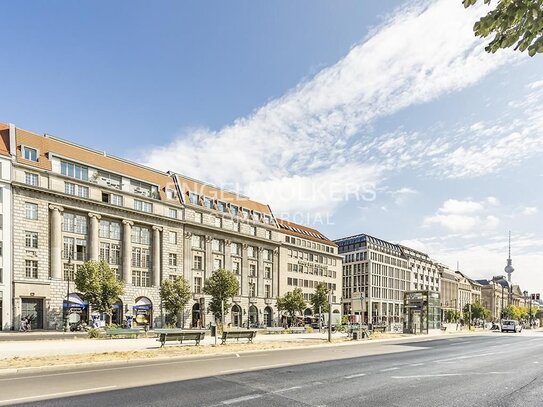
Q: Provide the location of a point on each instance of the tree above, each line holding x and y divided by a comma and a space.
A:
512, 312
477, 311
452, 315
222, 286
98, 285
319, 300
518, 23
175, 296
292, 302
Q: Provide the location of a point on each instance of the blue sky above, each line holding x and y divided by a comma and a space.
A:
380, 117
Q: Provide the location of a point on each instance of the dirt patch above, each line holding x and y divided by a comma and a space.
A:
167, 351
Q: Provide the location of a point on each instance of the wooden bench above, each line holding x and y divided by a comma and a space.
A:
443, 328
379, 328
238, 334
119, 332
171, 335
297, 330
274, 330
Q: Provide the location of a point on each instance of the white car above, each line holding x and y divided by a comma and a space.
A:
510, 325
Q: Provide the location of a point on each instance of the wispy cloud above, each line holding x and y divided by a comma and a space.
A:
315, 133
464, 215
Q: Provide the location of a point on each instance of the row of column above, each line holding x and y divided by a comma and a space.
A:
94, 245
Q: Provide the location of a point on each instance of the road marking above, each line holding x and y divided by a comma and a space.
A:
237, 355
389, 369
287, 389
417, 364
64, 393
459, 343
255, 368
465, 357
240, 399
536, 363
355, 375
423, 376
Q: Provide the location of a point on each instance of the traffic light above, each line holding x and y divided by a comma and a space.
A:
536, 297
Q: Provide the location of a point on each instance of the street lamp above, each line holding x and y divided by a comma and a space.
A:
525, 298
67, 321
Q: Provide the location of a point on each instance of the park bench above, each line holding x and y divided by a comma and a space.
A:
275, 330
238, 334
174, 335
297, 330
379, 328
123, 332
443, 328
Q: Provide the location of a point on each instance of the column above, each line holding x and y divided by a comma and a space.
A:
56, 241
156, 255
94, 245
260, 274
208, 258
127, 251
187, 257
244, 271
227, 255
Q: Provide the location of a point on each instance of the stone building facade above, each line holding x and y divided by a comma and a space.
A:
72, 204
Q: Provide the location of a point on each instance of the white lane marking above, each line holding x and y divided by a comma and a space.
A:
417, 364
255, 368
423, 376
536, 363
237, 355
240, 399
459, 343
355, 375
287, 389
64, 393
390, 369
130, 366
465, 357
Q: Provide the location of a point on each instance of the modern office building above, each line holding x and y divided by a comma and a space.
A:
306, 258
380, 271
72, 204
6, 132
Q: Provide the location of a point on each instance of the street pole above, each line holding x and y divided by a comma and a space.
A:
530, 311
330, 316
320, 318
469, 311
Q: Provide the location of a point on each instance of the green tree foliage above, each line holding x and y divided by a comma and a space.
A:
452, 315
319, 300
222, 286
477, 311
516, 23
514, 312
98, 285
175, 296
292, 302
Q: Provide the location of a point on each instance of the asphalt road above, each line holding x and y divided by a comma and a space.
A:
476, 370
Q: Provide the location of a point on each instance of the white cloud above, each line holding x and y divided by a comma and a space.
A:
461, 216
419, 53
402, 195
529, 210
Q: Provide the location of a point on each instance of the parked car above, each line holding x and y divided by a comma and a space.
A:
510, 325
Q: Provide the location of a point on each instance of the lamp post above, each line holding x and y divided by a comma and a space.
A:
525, 297
66, 322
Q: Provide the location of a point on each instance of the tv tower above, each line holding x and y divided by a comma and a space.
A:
509, 268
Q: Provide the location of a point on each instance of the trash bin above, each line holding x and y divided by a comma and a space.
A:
213, 330
355, 335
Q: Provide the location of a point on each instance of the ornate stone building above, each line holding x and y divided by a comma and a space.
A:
72, 204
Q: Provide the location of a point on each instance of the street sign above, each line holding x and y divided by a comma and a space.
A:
357, 302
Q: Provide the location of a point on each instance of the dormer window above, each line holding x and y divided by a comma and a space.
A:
30, 154
208, 203
73, 170
234, 210
221, 206
193, 198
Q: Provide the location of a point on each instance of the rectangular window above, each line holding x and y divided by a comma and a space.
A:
235, 248
197, 285
236, 267
267, 272
252, 289
31, 211
140, 257
252, 270
172, 237
267, 291
217, 245
172, 213
208, 203
172, 260
73, 170
217, 264
143, 206
197, 241
234, 210
116, 200
69, 272
253, 230
193, 198
31, 268
110, 230
31, 179
197, 263
141, 235
77, 190
30, 154
141, 278
31, 240
75, 223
